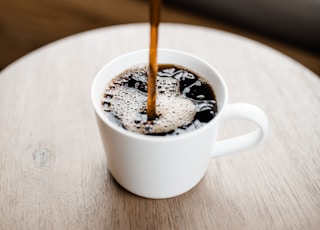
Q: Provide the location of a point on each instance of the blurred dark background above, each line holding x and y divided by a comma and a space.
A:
290, 26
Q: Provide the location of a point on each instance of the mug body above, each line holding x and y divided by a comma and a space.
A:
157, 166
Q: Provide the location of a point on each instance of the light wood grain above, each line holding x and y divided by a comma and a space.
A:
53, 170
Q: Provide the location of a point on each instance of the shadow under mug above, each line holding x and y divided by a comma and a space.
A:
167, 166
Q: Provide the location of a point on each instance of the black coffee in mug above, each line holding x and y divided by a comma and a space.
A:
185, 101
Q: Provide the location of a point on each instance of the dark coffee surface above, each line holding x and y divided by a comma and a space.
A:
185, 101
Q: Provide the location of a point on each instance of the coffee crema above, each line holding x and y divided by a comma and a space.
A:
184, 102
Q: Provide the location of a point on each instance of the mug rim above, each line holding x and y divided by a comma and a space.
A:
99, 111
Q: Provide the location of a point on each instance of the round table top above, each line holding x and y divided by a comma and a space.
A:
53, 172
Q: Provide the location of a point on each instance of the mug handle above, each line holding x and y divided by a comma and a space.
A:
236, 144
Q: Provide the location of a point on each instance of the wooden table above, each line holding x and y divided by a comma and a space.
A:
53, 169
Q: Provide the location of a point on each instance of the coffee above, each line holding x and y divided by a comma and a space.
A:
185, 101
155, 8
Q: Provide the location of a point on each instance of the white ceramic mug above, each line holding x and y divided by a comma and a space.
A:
167, 166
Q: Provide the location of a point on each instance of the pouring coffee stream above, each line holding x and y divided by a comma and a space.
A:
160, 98
155, 7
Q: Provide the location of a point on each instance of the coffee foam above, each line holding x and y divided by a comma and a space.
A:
129, 105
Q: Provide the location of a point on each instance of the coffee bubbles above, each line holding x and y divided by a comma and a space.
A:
184, 101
